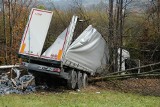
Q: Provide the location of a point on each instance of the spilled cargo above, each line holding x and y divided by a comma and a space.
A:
17, 85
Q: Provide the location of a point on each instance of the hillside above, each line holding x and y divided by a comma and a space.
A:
135, 5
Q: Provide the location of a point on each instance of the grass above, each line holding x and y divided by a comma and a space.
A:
80, 99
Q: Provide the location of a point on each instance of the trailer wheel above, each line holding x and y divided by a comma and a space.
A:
85, 80
80, 79
72, 81
38, 79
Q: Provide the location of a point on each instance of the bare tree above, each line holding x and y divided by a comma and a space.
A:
4, 31
121, 32
13, 13
111, 29
116, 28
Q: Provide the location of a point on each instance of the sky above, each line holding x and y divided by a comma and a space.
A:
64, 4
0, 5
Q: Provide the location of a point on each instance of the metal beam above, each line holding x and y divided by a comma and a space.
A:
9, 66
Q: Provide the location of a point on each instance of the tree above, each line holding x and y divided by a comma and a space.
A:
4, 31
111, 36
41, 7
15, 13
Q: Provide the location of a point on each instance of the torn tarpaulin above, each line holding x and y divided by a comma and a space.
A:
24, 84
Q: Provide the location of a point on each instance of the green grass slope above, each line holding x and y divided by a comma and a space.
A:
80, 99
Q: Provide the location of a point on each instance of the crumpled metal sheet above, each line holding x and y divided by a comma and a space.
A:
18, 85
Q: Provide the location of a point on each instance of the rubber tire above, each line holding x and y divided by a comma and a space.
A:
80, 80
37, 79
72, 81
85, 80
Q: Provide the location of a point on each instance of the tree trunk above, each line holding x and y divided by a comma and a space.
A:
121, 33
116, 35
158, 15
10, 29
4, 32
110, 37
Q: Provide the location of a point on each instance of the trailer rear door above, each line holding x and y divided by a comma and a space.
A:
35, 32
58, 49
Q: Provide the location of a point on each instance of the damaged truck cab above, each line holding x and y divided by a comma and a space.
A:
71, 60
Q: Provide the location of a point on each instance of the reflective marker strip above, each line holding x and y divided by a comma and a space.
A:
22, 48
59, 54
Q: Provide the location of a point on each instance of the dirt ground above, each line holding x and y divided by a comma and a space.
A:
144, 86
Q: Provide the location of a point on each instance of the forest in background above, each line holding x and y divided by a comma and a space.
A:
140, 33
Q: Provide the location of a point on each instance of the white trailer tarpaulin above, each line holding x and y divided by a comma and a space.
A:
88, 52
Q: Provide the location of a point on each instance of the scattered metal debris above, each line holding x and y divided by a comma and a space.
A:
18, 85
